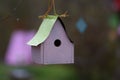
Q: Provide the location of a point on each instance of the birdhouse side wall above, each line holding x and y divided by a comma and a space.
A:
37, 54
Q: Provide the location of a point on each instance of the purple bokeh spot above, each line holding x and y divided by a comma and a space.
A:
18, 52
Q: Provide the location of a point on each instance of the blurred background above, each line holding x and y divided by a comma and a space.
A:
93, 26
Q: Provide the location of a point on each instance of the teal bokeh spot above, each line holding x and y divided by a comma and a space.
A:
81, 25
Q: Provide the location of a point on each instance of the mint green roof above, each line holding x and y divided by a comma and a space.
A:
44, 30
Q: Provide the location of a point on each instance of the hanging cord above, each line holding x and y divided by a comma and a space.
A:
55, 13
54, 8
50, 6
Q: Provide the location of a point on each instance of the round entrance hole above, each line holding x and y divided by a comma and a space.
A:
57, 43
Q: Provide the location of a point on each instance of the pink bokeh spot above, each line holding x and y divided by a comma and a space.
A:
18, 52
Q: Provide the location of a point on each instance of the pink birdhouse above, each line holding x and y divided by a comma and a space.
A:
51, 44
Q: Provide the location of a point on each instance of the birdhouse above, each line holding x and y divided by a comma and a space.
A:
51, 44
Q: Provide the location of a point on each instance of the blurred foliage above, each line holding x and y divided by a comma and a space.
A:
51, 72
114, 21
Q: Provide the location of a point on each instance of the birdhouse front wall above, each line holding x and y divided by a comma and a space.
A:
57, 48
